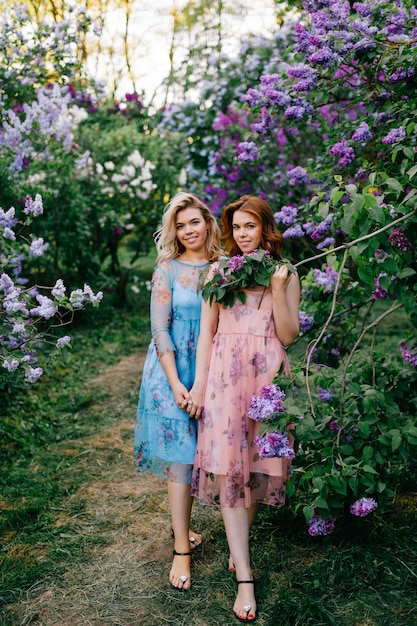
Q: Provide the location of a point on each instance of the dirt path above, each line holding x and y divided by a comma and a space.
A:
123, 525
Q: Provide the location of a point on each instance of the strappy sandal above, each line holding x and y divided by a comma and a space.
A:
247, 607
183, 578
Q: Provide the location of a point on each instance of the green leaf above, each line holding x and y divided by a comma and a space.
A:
412, 171
395, 184
369, 469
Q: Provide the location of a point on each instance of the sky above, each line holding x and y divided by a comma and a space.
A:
149, 36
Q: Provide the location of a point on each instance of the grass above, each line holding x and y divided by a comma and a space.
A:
85, 540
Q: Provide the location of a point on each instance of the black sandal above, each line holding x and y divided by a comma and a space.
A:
182, 578
247, 607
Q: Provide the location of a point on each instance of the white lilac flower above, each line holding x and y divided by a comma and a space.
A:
46, 309
8, 233
136, 159
59, 289
11, 366
7, 218
38, 247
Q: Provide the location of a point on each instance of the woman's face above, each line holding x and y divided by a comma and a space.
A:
191, 229
247, 231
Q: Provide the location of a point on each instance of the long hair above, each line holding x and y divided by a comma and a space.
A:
272, 238
167, 244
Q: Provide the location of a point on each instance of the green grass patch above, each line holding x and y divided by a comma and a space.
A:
85, 537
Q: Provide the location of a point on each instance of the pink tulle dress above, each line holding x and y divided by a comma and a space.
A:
245, 355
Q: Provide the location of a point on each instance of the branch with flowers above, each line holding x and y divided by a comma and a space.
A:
232, 276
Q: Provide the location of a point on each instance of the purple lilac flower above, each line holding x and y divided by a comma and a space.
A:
63, 341
306, 321
379, 293
407, 356
326, 279
342, 150
268, 401
38, 247
326, 243
334, 425
35, 207
298, 109
394, 135
236, 263
303, 39
272, 445
362, 133
298, 176
276, 97
287, 215
325, 57
381, 255
398, 240
402, 75
247, 151
325, 394
293, 231
363, 8
318, 527
321, 229
253, 97
363, 507
33, 373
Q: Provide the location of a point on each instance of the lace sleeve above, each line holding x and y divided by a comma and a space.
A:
161, 310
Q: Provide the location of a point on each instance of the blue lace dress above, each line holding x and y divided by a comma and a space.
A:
165, 437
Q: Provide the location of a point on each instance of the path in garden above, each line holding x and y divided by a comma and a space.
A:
122, 520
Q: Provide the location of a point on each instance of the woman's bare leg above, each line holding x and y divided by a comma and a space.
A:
236, 523
180, 502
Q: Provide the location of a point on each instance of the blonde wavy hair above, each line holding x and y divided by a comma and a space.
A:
167, 244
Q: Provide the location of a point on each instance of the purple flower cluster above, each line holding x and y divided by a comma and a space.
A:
272, 445
287, 215
236, 263
394, 136
318, 527
306, 74
342, 150
247, 151
379, 293
407, 355
306, 321
362, 133
325, 394
298, 176
363, 507
326, 279
397, 239
293, 231
321, 229
268, 401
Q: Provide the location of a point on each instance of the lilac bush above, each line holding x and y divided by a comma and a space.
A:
31, 314
330, 125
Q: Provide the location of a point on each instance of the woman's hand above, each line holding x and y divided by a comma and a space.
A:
281, 277
181, 395
195, 408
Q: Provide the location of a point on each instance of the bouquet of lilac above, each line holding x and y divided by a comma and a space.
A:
264, 408
239, 272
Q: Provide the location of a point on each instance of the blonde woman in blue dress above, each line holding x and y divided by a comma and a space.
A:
187, 241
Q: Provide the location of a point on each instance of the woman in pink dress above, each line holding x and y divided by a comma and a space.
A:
240, 349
